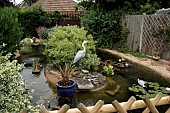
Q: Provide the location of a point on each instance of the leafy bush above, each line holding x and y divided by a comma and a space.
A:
10, 28
63, 44
14, 94
104, 26
33, 17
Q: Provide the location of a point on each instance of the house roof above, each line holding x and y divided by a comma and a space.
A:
57, 5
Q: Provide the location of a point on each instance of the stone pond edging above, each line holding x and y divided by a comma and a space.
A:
158, 67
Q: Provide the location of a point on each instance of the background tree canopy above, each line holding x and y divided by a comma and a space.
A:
128, 5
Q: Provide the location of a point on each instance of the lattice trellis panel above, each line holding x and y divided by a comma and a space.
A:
150, 25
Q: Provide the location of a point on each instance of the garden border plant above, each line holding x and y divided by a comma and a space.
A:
14, 94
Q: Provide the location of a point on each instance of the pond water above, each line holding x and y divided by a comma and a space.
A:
45, 92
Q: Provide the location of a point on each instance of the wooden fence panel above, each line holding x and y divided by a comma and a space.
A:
133, 24
141, 34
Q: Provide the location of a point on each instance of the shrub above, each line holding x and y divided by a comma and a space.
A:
63, 44
33, 17
10, 28
15, 95
104, 26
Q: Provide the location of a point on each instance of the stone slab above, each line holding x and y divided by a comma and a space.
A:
83, 83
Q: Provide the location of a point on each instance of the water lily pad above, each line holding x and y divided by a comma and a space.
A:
133, 89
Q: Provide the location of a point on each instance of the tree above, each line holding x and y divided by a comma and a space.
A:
10, 28
33, 17
127, 5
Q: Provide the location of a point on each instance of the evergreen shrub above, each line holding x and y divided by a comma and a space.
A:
63, 44
10, 28
105, 26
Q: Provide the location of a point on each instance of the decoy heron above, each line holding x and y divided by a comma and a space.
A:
80, 55
142, 83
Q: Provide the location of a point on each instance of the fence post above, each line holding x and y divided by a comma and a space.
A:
150, 105
83, 108
97, 106
118, 107
155, 101
64, 108
168, 111
43, 110
129, 103
141, 33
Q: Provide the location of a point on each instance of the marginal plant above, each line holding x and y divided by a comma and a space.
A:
108, 68
66, 72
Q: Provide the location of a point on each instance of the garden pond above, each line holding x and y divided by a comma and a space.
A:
46, 93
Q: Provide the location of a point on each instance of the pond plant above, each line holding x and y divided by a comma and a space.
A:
153, 88
108, 67
66, 86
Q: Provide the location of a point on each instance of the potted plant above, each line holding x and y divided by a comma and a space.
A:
66, 87
156, 55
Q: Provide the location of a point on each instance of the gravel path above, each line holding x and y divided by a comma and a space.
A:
162, 68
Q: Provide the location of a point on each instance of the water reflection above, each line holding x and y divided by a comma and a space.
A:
38, 83
44, 91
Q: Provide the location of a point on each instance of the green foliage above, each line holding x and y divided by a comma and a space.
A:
108, 69
33, 17
104, 26
25, 44
63, 44
153, 89
149, 8
14, 94
128, 6
10, 28
12, 87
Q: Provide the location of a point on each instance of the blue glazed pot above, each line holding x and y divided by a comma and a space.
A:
66, 91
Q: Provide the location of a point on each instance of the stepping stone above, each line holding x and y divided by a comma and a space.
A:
83, 83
